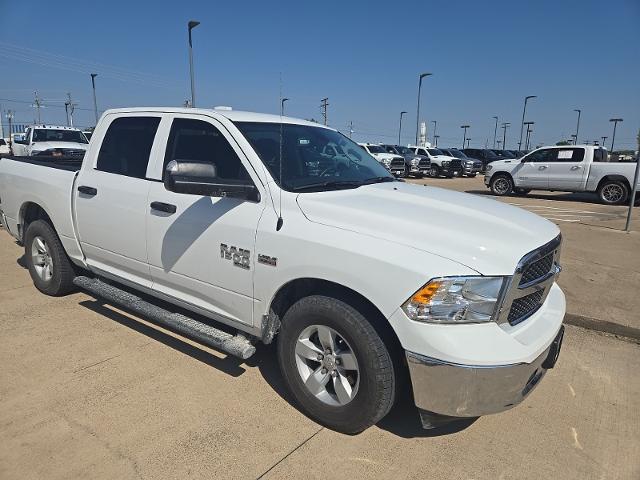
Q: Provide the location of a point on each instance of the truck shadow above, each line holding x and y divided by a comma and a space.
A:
229, 365
560, 197
403, 420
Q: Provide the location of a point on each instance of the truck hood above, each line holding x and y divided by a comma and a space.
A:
385, 156
483, 234
39, 146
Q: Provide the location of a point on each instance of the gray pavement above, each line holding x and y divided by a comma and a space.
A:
88, 391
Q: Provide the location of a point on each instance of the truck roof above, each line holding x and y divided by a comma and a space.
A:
233, 115
53, 127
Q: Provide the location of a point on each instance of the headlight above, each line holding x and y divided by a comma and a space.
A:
415, 161
445, 163
386, 161
489, 167
456, 300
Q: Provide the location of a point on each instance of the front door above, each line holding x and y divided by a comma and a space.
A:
203, 253
111, 198
532, 171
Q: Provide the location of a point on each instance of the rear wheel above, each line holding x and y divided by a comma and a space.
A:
50, 268
501, 184
335, 364
613, 192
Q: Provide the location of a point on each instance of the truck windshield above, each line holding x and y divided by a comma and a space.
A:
404, 151
312, 158
457, 153
376, 149
52, 135
435, 151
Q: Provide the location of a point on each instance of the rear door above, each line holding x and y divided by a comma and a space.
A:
532, 170
111, 197
567, 169
191, 246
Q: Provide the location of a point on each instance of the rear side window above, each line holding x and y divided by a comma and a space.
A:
566, 155
600, 155
126, 146
191, 139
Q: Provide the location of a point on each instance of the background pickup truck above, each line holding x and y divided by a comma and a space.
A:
236, 228
582, 168
50, 140
441, 164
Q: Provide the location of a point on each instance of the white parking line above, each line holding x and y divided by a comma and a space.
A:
557, 208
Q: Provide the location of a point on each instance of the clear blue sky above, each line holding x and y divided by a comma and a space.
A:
365, 56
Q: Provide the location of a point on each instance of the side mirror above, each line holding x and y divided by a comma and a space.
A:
523, 160
201, 178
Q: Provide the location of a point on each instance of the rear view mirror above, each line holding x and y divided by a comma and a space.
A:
201, 178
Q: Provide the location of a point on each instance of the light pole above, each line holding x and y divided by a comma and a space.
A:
529, 130
575, 139
436, 137
468, 140
10, 119
282, 106
435, 126
191, 25
604, 139
524, 110
499, 143
95, 102
495, 131
464, 138
422, 75
615, 124
505, 125
400, 129
578, 124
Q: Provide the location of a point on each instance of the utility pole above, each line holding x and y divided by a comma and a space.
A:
468, 140
37, 104
435, 126
505, 125
615, 124
634, 190
604, 139
526, 99
578, 124
10, 119
400, 129
464, 139
69, 108
499, 144
282, 106
350, 128
436, 137
495, 131
528, 136
95, 102
323, 106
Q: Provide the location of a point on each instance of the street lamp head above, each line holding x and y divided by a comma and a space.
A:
464, 126
495, 117
422, 75
530, 96
615, 120
193, 24
284, 99
402, 113
577, 110
529, 123
94, 75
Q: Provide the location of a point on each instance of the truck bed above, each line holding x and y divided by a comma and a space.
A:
71, 164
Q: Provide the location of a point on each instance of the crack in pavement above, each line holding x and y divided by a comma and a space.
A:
289, 454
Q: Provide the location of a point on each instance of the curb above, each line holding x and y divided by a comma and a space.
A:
602, 326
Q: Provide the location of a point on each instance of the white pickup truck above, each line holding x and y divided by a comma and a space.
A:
51, 140
366, 283
581, 168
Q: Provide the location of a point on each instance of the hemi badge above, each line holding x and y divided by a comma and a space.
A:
267, 260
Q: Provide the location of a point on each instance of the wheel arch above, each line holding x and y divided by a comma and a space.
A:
614, 178
29, 212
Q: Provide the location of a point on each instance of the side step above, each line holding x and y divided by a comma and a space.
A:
236, 345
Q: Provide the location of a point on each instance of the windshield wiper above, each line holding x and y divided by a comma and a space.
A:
369, 181
329, 185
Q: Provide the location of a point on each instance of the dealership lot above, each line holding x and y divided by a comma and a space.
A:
87, 390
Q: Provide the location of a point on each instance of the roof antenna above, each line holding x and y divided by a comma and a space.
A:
280, 221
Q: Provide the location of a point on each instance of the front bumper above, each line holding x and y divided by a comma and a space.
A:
471, 391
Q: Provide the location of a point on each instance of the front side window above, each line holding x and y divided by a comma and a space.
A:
53, 135
376, 149
126, 146
297, 158
539, 156
191, 139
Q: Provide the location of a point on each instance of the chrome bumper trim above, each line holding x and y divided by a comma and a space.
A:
471, 391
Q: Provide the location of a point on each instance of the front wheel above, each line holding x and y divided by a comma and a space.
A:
613, 192
501, 185
434, 171
335, 364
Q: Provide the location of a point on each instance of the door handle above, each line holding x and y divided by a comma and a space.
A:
92, 192
163, 207
542, 167
576, 167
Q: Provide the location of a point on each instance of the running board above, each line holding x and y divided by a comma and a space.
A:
236, 345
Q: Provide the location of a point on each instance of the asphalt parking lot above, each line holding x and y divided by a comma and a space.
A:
89, 391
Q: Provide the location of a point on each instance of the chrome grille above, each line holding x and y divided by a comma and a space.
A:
530, 284
397, 162
424, 163
522, 308
537, 269
455, 165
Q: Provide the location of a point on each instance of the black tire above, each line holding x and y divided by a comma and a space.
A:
521, 191
473, 175
377, 377
501, 184
434, 171
62, 271
613, 192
